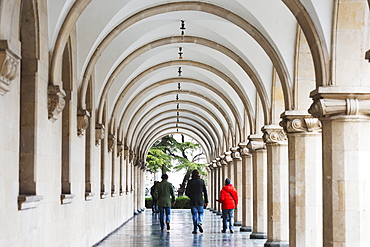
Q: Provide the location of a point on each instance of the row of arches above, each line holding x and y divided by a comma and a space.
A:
100, 82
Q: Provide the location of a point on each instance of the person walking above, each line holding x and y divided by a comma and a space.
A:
195, 190
165, 197
229, 200
155, 205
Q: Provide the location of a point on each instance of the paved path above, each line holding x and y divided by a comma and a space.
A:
144, 230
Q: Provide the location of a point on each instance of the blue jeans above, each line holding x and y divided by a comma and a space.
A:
162, 212
155, 206
197, 213
227, 214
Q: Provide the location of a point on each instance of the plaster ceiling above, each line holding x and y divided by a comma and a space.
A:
230, 49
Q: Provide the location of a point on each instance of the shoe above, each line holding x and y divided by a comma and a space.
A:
194, 232
231, 231
223, 231
200, 228
168, 225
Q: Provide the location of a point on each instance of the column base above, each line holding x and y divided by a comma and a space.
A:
258, 235
276, 244
246, 229
237, 223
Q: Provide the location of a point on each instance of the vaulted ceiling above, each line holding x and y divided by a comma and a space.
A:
230, 50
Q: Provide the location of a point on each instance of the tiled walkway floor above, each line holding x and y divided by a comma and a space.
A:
143, 230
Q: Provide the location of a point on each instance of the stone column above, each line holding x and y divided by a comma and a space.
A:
346, 153
246, 192
230, 167
237, 177
305, 179
135, 191
259, 167
214, 186
219, 182
209, 186
277, 186
224, 170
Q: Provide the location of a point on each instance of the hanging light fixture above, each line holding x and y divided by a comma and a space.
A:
180, 52
179, 71
182, 27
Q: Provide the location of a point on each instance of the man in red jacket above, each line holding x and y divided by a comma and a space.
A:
229, 200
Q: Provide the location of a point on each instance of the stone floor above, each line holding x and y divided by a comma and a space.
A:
143, 230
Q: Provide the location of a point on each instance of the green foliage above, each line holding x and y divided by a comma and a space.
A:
148, 202
168, 150
182, 202
156, 159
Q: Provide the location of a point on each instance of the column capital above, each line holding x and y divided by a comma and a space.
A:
217, 162
120, 148
243, 149
9, 65
299, 121
255, 143
339, 101
99, 133
210, 166
235, 153
83, 117
228, 157
56, 101
274, 134
112, 140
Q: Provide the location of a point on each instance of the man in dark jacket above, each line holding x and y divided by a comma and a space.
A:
195, 190
229, 200
155, 205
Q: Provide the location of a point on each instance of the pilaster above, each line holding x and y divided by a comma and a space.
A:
259, 166
277, 186
246, 190
237, 177
305, 178
344, 114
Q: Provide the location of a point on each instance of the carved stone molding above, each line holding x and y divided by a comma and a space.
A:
243, 149
340, 101
210, 166
126, 152
274, 134
9, 67
28, 201
214, 163
83, 117
120, 148
66, 198
56, 101
235, 153
89, 196
218, 162
111, 142
103, 195
132, 156
228, 157
99, 133
255, 143
298, 123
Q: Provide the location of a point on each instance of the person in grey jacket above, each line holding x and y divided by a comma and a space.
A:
195, 190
